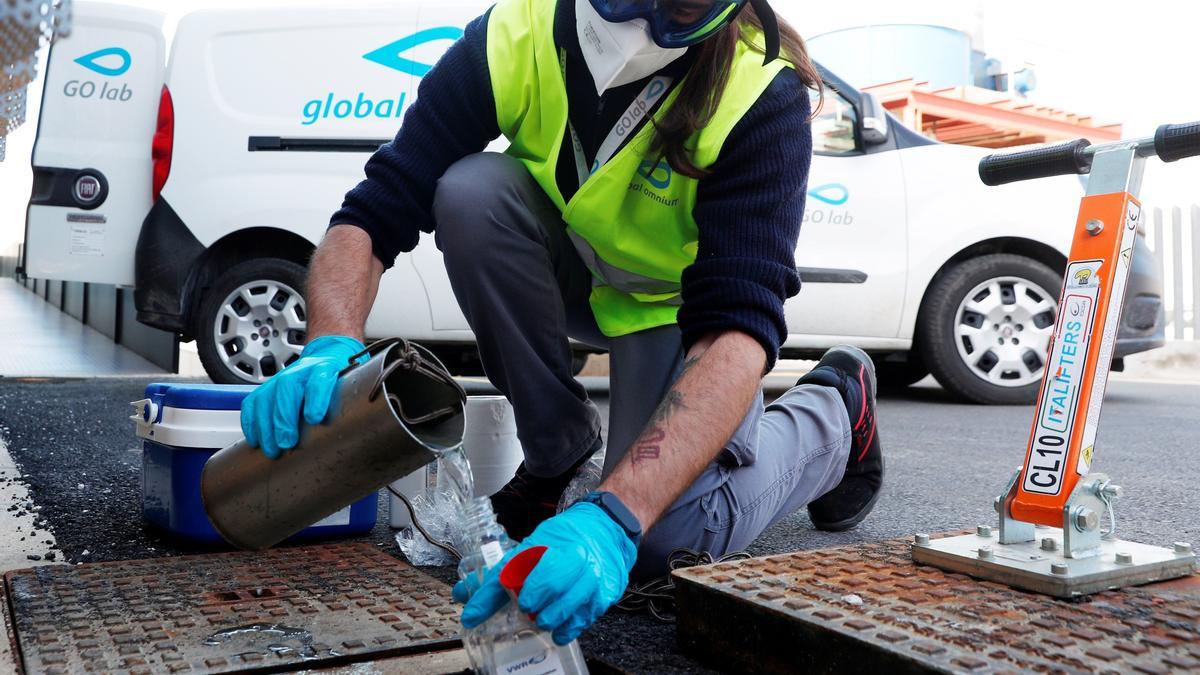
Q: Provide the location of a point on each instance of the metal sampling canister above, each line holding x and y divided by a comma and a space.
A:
389, 416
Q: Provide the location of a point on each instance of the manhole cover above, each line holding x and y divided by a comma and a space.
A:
869, 608
228, 612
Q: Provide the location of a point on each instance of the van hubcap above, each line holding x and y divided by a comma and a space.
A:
1003, 329
260, 329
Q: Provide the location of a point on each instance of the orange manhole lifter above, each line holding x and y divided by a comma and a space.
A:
1056, 518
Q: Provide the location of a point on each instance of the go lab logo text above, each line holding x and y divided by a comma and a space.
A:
362, 105
823, 205
111, 62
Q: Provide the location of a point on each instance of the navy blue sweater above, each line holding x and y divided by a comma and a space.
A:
748, 209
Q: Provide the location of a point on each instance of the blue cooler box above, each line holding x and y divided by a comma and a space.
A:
181, 426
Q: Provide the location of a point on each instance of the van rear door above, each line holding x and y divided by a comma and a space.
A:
91, 161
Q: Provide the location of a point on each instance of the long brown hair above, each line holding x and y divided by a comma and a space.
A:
701, 92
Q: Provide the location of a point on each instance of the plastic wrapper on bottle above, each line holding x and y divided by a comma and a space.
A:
440, 511
437, 513
586, 480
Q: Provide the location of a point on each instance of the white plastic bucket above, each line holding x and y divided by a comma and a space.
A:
490, 441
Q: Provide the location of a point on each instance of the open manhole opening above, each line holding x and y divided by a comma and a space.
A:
228, 612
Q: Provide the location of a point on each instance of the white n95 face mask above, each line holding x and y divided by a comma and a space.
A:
618, 53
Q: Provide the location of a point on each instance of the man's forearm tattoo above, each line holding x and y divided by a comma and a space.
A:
671, 403
648, 446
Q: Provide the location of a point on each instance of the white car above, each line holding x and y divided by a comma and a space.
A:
205, 180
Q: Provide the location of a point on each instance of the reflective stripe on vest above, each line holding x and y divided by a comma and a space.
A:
622, 280
631, 219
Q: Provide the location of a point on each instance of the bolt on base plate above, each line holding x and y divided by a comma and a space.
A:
1040, 566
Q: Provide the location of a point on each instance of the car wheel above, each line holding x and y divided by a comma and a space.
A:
898, 373
252, 322
985, 327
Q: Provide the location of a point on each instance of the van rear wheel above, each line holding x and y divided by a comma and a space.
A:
253, 322
985, 328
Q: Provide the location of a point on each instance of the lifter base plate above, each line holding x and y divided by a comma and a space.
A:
1027, 566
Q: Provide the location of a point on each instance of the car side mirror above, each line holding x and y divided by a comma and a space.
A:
874, 120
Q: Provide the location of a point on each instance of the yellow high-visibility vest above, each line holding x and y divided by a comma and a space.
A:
631, 219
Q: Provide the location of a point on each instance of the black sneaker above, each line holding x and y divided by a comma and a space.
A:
526, 500
850, 371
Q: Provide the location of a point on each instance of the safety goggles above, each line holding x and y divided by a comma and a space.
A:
681, 23
673, 23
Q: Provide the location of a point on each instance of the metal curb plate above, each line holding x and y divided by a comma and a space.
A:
228, 612
870, 608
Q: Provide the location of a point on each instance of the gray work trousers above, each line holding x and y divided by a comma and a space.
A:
524, 291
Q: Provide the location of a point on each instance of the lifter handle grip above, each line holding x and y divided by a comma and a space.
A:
1051, 160
1176, 141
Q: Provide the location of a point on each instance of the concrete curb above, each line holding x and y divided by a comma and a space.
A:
20, 522
1178, 361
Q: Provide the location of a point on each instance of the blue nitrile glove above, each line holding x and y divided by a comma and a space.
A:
582, 574
271, 413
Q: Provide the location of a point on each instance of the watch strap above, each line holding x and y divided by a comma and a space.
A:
616, 509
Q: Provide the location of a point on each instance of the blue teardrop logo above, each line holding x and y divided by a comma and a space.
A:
389, 55
834, 194
93, 61
649, 171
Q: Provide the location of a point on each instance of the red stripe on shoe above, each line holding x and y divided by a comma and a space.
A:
862, 386
867, 445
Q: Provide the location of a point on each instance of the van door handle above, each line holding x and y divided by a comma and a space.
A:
83, 189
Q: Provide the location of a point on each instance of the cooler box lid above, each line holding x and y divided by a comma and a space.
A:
191, 415
199, 396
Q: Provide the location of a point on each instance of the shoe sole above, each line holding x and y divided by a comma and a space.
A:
852, 521
849, 523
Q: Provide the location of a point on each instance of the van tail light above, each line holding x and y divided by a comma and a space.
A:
164, 141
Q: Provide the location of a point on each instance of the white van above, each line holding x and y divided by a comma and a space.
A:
205, 180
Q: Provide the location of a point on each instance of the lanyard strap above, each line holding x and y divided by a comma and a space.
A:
628, 124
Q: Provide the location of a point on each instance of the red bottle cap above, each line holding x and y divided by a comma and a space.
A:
516, 570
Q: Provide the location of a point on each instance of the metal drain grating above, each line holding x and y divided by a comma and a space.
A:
228, 612
869, 608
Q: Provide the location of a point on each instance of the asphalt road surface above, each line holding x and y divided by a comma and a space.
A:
75, 448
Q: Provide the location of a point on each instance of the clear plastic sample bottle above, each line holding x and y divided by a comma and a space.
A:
509, 643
